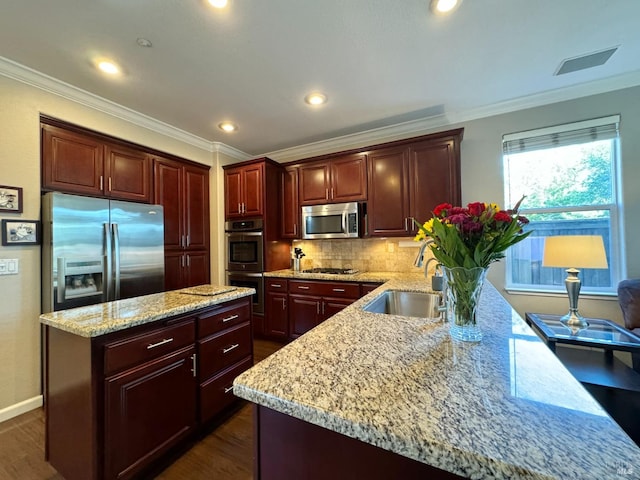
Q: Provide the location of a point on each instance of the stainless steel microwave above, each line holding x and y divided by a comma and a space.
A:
334, 220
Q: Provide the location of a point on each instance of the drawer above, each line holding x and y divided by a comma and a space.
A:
136, 350
325, 289
224, 316
217, 393
276, 285
368, 287
220, 351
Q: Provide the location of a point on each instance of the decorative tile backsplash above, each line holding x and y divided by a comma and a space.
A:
368, 255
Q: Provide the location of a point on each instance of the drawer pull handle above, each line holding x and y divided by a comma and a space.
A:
232, 347
228, 319
338, 289
303, 288
275, 285
228, 389
154, 345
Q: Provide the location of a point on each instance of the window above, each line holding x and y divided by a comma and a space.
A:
568, 174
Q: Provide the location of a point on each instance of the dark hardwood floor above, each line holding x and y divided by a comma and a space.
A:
224, 454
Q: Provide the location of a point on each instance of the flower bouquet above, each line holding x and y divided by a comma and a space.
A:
465, 241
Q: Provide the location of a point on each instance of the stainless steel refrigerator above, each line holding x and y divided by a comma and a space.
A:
96, 250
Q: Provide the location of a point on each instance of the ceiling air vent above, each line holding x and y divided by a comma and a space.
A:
585, 61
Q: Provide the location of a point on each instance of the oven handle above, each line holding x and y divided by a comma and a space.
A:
243, 274
244, 234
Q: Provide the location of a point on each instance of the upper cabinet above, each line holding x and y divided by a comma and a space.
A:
183, 191
81, 163
289, 206
341, 179
243, 191
406, 182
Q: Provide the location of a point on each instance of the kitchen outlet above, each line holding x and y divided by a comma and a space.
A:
391, 247
9, 266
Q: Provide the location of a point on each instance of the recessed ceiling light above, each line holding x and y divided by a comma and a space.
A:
444, 6
109, 67
316, 98
218, 3
228, 127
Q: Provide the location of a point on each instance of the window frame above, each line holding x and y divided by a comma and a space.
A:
615, 209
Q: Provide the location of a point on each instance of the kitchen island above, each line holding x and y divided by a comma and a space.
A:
362, 386
131, 382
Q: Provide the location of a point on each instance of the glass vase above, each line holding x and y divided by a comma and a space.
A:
463, 287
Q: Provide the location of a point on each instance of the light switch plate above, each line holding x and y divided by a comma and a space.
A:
9, 266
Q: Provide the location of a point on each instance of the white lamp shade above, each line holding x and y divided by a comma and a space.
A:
574, 251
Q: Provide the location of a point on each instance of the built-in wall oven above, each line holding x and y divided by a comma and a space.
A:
245, 264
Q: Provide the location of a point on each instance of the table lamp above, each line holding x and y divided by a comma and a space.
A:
574, 251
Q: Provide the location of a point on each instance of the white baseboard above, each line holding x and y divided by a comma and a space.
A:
20, 408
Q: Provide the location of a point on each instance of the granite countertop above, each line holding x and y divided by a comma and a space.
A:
503, 408
102, 318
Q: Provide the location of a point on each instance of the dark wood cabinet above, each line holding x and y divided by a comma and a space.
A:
276, 318
388, 205
76, 162
312, 302
183, 191
366, 288
243, 191
341, 179
148, 409
289, 206
225, 349
118, 403
406, 182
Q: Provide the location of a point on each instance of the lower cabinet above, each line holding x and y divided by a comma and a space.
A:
276, 319
293, 307
138, 427
117, 404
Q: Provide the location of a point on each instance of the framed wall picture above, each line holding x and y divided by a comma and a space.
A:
10, 199
20, 232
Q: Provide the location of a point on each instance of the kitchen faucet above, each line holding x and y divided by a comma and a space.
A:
419, 261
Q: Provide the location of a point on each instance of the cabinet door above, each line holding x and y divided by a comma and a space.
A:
196, 269
233, 193
331, 306
434, 177
304, 314
168, 192
314, 184
71, 162
349, 178
139, 429
276, 320
290, 209
127, 174
252, 190
196, 205
388, 205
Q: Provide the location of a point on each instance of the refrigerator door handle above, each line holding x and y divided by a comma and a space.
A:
116, 259
108, 272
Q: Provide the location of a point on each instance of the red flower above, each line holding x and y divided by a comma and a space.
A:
476, 208
502, 217
443, 206
458, 211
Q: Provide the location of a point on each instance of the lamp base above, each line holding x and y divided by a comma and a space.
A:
574, 322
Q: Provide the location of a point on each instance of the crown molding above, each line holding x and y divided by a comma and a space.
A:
422, 126
223, 148
26, 75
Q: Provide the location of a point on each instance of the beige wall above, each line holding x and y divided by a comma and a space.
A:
20, 108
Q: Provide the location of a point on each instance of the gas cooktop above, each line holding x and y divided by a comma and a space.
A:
332, 271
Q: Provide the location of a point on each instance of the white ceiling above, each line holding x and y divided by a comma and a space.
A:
380, 62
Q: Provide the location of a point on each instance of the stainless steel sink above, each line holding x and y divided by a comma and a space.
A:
408, 304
